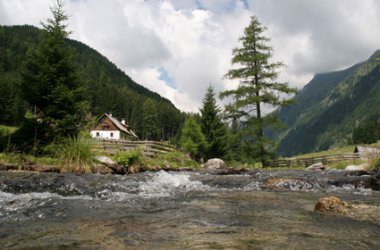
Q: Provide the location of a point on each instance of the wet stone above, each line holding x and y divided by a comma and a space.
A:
331, 204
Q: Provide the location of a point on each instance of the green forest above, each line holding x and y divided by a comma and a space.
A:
106, 88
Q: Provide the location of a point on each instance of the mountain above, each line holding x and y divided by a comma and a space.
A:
108, 88
330, 107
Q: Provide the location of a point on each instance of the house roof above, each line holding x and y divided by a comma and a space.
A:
122, 127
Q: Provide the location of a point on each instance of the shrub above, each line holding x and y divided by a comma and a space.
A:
128, 158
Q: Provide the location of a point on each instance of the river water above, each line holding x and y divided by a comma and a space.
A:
187, 210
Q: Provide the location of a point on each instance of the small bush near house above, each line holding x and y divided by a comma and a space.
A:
128, 158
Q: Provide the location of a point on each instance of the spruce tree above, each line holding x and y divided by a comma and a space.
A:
212, 126
192, 139
150, 128
50, 83
257, 86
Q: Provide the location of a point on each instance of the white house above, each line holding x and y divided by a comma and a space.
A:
109, 127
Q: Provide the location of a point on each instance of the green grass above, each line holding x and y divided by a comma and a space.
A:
8, 129
342, 150
73, 155
20, 159
174, 159
375, 165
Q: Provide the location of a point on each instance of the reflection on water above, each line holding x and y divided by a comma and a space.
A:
259, 210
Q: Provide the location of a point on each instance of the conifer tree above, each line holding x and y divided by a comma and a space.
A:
212, 126
150, 123
50, 83
192, 139
257, 86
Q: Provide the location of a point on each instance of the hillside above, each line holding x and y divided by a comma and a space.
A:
108, 88
329, 108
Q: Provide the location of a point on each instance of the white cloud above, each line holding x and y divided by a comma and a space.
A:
192, 40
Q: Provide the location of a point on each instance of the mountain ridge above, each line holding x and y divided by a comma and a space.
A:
329, 107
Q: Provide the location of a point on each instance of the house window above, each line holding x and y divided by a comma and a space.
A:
111, 135
97, 134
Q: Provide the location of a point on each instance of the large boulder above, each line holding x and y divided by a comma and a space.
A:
105, 160
331, 204
108, 162
215, 164
361, 167
316, 167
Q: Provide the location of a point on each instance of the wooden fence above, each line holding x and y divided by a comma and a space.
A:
305, 162
148, 148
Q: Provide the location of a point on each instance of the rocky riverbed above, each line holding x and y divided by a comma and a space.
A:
188, 210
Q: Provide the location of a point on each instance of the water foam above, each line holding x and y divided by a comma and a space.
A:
164, 184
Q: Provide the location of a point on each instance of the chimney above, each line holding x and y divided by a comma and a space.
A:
123, 121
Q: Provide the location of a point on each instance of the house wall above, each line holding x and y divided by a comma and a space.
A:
109, 134
105, 124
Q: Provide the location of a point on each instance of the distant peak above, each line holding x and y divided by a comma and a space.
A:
375, 55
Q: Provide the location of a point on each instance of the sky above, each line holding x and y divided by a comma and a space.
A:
178, 48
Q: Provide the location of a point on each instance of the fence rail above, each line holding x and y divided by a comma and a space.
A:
148, 148
325, 159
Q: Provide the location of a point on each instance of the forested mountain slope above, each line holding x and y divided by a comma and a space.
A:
328, 109
108, 88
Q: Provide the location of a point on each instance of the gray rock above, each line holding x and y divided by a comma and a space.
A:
360, 167
215, 164
108, 162
105, 160
316, 167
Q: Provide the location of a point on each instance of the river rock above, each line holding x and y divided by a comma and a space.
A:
215, 164
108, 162
316, 167
331, 204
101, 169
360, 167
134, 169
283, 184
105, 160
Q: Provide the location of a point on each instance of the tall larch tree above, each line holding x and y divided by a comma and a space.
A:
50, 83
258, 86
212, 126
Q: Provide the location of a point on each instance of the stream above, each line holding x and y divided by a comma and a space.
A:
187, 210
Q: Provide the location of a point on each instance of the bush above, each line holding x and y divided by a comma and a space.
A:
128, 158
74, 154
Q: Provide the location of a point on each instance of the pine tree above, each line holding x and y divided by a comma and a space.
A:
150, 124
212, 126
50, 83
192, 139
257, 86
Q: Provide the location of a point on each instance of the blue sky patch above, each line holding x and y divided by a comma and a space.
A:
164, 76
